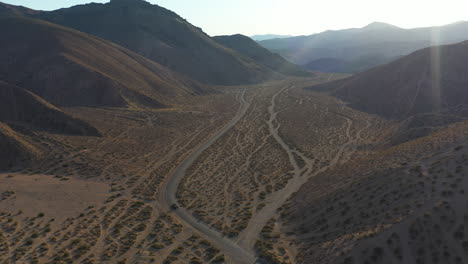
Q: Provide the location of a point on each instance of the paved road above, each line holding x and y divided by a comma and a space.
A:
231, 250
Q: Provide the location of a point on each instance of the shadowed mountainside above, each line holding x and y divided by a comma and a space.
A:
162, 36
431, 80
249, 48
343, 66
14, 148
23, 108
69, 68
359, 49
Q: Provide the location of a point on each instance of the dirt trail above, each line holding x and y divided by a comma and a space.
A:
167, 197
248, 236
242, 250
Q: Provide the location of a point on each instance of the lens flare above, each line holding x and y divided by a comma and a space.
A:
436, 69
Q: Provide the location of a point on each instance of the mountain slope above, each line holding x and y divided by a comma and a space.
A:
69, 68
21, 107
12, 10
14, 148
249, 48
375, 43
162, 36
431, 80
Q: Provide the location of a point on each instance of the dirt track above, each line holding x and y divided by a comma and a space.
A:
241, 250
168, 195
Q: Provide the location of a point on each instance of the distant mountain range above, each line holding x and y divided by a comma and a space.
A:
251, 49
358, 49
431, 80
268, 36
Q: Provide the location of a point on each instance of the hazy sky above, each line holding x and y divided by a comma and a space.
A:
295, 17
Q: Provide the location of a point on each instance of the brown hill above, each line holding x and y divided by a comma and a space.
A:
14, 149
69, 68
251, 49
22, 107
431, 80
164, 37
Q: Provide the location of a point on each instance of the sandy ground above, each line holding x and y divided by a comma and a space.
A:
54, 197
94, 199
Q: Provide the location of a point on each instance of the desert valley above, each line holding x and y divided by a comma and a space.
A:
128, 135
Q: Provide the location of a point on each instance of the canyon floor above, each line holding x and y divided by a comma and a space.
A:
235, 162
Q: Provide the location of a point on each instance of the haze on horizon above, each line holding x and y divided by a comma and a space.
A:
294, 17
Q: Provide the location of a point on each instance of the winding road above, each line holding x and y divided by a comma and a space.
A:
231, 250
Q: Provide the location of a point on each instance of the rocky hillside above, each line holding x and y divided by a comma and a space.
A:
432, 80
14, 148
69, 68
20, 107
164, 37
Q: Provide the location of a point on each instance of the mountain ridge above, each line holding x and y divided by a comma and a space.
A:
54, 61
164, 37
430, 80
250, 48
261, 37
377, 42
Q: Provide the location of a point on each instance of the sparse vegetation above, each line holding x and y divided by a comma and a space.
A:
283, 167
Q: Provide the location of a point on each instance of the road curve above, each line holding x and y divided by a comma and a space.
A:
230, 249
